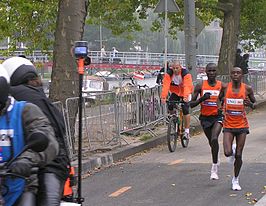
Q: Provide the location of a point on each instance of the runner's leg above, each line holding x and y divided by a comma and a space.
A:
216, 130
240, 142
228, 139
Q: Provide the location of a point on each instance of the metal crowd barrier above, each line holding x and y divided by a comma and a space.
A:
138, 108
108, 115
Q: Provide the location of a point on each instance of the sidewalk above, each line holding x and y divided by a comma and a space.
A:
135, 145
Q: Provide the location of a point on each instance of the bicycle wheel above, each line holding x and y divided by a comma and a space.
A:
172, 134
183, 138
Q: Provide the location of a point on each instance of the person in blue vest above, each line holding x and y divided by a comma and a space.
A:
19, 121
27, 86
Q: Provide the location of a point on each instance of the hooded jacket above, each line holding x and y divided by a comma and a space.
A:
35, 95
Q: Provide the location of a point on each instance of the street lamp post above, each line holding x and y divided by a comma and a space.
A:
165, 36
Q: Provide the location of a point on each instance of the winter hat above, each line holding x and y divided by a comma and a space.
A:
19, 70
4, 87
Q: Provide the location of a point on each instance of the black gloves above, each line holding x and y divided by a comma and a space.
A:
21, 167
220, 112
206, 96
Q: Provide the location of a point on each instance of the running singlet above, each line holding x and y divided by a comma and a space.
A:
209, 106
234, 109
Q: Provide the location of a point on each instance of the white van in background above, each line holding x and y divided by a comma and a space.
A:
93, 85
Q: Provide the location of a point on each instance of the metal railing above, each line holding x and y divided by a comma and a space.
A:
136, 58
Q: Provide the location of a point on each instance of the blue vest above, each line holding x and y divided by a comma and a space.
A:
11, 144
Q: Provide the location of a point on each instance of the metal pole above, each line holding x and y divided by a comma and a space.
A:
81, 73
101, 36
165, 36
165, 48
190, 37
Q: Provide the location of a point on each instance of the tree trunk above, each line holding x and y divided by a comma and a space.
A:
231, 27
69, 28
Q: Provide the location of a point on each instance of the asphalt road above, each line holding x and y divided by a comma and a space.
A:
160, 178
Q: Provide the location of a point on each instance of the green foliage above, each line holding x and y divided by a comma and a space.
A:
31, 21
119, 16
253, 27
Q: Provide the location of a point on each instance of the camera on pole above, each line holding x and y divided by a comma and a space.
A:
81, 54
81, 49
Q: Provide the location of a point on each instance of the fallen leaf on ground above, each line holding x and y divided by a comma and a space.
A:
248, 194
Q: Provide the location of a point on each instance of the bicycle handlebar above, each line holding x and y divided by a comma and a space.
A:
144, 86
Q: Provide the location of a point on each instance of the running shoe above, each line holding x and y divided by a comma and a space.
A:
214, 172
186, 135
235, 184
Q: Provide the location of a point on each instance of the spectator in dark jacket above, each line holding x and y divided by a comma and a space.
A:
244, 67
26, 85
239, 58
160, 75
244, 64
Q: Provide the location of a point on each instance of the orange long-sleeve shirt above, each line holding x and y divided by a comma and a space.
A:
180, 84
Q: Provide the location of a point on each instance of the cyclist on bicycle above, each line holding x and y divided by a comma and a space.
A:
178, 81
210, 118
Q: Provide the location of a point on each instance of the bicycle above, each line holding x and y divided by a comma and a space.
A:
175, 128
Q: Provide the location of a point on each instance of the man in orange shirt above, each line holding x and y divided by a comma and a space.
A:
236, 95
210, 117
178, 81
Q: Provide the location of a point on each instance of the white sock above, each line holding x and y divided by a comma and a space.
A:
187, 130
214, 167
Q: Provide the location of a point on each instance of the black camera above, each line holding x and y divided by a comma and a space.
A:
81, 49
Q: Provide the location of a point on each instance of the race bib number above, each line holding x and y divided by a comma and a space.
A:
234, 101
214, 93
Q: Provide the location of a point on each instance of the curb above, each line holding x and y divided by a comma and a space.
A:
261, 202
97, 161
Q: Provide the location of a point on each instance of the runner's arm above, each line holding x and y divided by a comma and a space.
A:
195, 100
221, 96
251, 100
